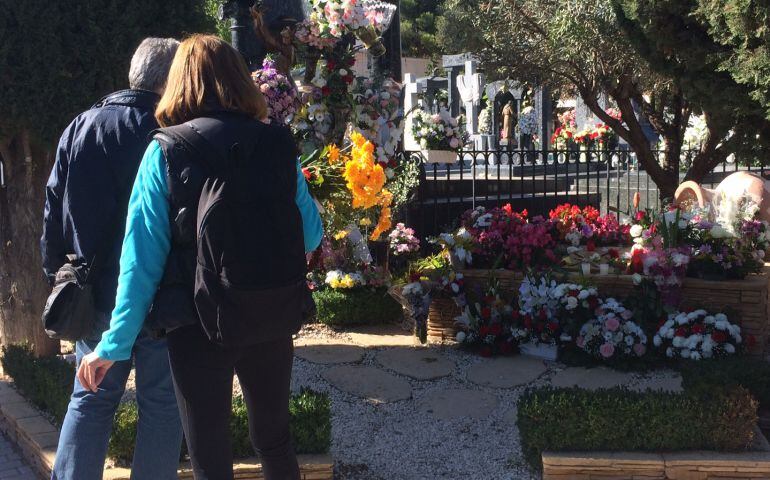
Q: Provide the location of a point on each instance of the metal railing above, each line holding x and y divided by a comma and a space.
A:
536, 181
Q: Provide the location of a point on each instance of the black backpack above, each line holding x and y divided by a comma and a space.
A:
250, 277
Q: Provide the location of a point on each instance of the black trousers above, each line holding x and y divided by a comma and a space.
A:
203, 378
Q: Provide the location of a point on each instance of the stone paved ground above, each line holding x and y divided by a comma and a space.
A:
401, 411
12, 466
409, 412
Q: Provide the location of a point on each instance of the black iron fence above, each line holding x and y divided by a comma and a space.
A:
537, 181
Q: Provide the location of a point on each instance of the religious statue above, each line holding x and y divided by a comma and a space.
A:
506, 135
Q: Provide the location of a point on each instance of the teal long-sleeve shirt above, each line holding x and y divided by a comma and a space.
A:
147, 243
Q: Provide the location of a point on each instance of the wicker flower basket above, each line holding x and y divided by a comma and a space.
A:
441, 320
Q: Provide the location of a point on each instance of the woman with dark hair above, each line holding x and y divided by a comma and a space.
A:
214, 254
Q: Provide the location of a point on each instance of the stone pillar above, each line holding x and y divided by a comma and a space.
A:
543, 108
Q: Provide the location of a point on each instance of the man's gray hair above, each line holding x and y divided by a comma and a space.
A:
151, 63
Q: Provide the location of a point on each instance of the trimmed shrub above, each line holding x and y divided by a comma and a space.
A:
339, 307
753, 374
310, 427
621, 420
46, 382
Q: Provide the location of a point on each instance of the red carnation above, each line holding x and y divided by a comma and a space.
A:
348, 79
483, 331
325, 91
486, 312
613, 252
591, 246
719, 337
681, 332
553, 326
330, 65
496, 329
307, 174
698, 329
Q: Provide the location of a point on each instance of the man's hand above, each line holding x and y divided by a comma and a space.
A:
92, 371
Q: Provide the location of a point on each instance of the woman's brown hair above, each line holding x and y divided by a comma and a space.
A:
208, 75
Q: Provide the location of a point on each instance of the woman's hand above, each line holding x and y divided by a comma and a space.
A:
92, 371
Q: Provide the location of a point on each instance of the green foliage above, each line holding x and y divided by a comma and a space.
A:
123, 438
418, 28
620, 420
721, 64
58, 58
46, 382
753, 374
355, 306
221, 27
310, 426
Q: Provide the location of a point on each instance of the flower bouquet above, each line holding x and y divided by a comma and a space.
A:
697, 334
280, 93
486, 325
611, 334
537, 327
440, 135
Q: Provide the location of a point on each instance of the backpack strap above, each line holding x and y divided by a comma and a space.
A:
188, 136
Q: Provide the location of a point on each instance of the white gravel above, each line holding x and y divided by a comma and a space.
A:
398, 441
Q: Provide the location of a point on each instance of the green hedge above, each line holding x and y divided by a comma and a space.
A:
355, 306
310, 427
47, 383
753, 374
621, 420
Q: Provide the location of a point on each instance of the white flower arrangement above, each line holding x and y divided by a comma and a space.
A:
458, 245
439, 131
612, 333
528, 121
698, 334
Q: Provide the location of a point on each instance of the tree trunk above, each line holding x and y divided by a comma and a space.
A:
23, 289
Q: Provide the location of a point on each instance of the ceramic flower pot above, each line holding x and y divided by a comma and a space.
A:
440, 156
690, 194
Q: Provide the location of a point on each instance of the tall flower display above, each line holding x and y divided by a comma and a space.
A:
280, 93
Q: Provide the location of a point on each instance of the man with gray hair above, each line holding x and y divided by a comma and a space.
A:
86, 203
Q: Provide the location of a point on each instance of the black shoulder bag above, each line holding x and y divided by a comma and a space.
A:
70, 312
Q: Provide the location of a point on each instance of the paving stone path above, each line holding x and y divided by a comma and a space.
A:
12, 465
401, 410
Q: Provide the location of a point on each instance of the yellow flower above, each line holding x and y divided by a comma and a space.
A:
357, 139
365, 222
347, 282
341, 234
334, 154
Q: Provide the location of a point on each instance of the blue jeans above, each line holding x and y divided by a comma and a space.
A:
87, 426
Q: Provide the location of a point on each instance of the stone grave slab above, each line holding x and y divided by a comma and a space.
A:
508, 372
417, 363
368, 382
455, 404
